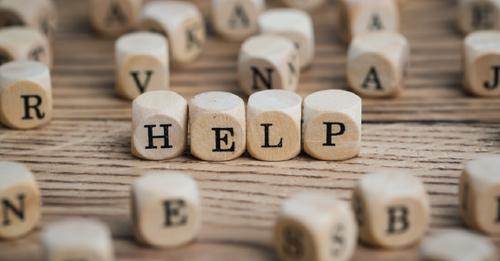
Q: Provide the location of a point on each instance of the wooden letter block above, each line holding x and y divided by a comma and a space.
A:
392, 209
38, 14
315, 226
182, 24
273, 125
217, 124
268, 62
141, 64
25, 95
377, 64
480, 194
23, 43
159, 125
332, 125
77, 239
307, 5
293, 24
236, 19
166, 209
482, 63
20, 200
114, 17
476, 15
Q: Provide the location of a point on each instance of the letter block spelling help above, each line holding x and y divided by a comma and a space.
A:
37, 14
236, 19
476, 15
115, 17
23, 43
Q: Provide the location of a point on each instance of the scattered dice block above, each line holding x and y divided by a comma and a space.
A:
77, 239
25, 95
476, 15
182, 23
392, 209
159, 125
307, 5
315, 226
377, 63
113, 18
293, 24
24, 43
332, 125
20, 200
273, 125
141, 64
37, 14
217, 125
165, 208
236, 19
268, 62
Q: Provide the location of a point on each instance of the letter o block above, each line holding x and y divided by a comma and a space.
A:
476, 15
332, 125
273, 125
159, 125
114, 17
315, 227
37, 14
268, 62
236, 19
392, 209
377, 64
307, 5
166, 209
20, 200
22, 44
217, 124
25, 95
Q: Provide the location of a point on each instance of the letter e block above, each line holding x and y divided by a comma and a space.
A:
476, 15
236, 19
114, 17
23, 44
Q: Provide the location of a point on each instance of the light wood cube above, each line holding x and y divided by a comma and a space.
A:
182, 24
113, 18
77, 239
313, 226
268, 62
307, 5
236, 19
392, 209
166, 209
24, 43
159, 125
274, 125
332, 125
476, 15
217, 124
20, 200
25, 95
377, 63
38, 14
293, 24
141, 64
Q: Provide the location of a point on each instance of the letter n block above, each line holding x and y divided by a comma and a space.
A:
166, 209
392, 209
20, 200
236, 19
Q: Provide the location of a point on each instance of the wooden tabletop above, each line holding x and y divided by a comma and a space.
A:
83, 164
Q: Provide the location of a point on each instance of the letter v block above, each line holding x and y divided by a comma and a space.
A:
20, 200
166, 209
236, 19
392, 209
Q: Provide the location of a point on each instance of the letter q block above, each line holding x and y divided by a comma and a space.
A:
236, 19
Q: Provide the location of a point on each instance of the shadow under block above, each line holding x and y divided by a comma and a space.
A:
114, 17
236, 19
141, 64
217, 126
274, 125
37, 14
377, 64
77, 239
159, 125
392, 209
307, 5
166, 209
181, 23
20, 200
313, 226
473, 15
25, 95
24, 43
332, 125
268, 62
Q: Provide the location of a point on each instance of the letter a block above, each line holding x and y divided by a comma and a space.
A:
37, 14
166, 209
268, 62
24, 43
273, 125
236, 19
332, 125
392, 209
25, 95
217, 124
377, 63
115, 17
20, 200
478, 15
315, 226
159, 125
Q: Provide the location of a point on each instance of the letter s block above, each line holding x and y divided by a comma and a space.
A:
165, 208
20, 200
392, 209
22, 44
236, 19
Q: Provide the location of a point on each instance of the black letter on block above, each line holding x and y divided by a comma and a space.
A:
266, 137
173, 215
239, 17
165, 136
219, 139
372, 78
7, 205
28, 106
115, 14
398, 215
257, 74
142, 86
496, 75
330, 134
292, 243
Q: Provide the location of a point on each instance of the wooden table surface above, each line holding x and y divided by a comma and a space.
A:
83, 164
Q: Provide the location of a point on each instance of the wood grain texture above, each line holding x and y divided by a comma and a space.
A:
83, 164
